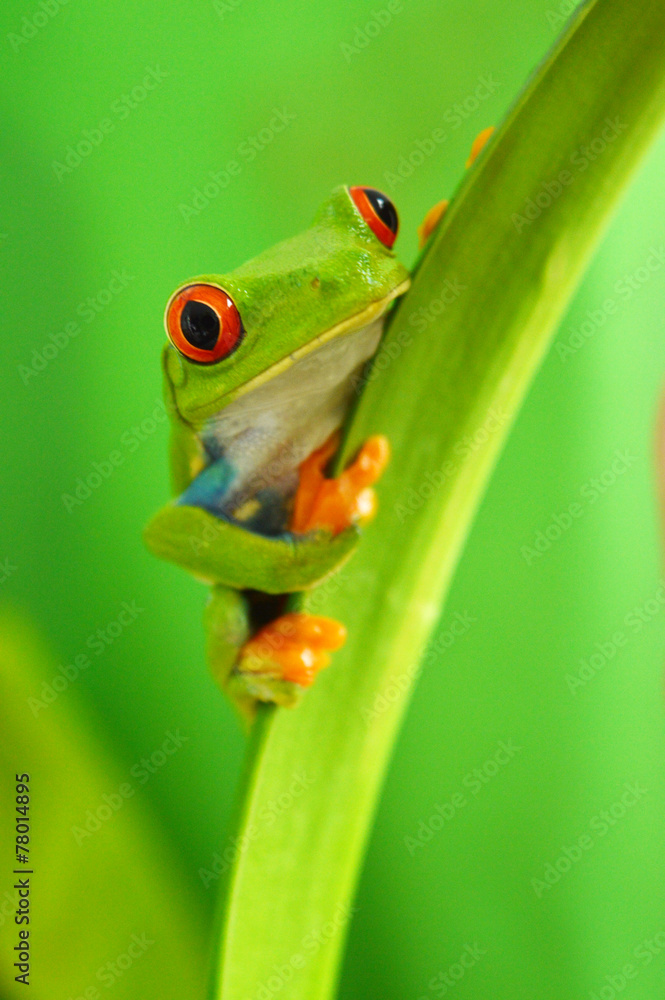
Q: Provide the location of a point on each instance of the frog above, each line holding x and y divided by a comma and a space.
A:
260, 369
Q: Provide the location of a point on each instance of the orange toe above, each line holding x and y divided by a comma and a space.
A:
310, 480
370, 461
478, 144
294, 647
431, 221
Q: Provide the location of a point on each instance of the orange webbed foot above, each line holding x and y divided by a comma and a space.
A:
292, 648
336, 504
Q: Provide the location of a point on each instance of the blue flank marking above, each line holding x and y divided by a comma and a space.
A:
210, 487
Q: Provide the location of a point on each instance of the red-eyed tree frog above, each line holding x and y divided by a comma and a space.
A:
259, 373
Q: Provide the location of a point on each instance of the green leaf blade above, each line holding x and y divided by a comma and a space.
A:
446, 403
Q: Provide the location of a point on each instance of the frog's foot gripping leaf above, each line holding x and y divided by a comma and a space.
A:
285, 656
336, 504
437, 212
273, 665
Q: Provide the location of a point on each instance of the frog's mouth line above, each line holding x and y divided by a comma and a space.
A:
355, 322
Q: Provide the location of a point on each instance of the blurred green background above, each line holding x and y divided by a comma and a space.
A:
156, 98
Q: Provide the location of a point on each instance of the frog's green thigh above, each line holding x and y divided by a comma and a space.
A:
226, 620
225, 553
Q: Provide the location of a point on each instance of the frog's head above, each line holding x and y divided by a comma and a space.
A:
230, 333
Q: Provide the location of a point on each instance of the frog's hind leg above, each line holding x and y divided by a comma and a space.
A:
285, 655
257, 654
227, 625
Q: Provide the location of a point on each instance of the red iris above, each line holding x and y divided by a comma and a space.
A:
203, 323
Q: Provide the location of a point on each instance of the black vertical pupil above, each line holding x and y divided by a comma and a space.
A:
384, 208
200, 325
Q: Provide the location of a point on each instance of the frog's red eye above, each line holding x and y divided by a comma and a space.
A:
378, 212
203, 323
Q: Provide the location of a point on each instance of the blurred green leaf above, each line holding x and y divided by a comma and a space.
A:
108, 906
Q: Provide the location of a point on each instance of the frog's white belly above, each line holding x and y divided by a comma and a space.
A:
266, 433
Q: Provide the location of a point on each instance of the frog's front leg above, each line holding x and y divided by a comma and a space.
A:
323, 531
221, 552
335, 504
